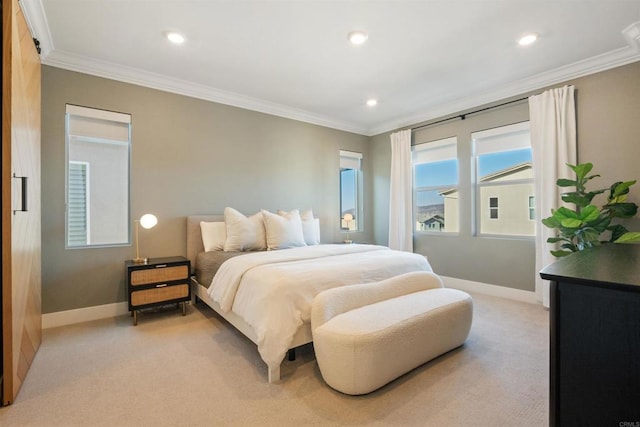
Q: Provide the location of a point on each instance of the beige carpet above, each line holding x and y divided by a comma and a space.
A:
197, 371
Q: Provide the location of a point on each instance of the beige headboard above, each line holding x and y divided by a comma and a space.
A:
194, 235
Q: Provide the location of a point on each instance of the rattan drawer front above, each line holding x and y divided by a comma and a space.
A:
165, 293
156, 275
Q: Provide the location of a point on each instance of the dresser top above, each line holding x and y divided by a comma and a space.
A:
155, 261
614, 263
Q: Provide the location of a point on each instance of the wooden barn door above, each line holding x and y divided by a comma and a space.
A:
21, 240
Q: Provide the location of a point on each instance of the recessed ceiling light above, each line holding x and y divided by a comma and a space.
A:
357, 37
372, 102
174, 37
528, 39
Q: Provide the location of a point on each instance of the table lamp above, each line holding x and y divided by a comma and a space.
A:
347, 219
146, 221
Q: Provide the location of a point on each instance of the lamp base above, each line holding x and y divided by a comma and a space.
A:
140, 260
348, 242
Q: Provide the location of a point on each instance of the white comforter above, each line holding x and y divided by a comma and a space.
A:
273, 291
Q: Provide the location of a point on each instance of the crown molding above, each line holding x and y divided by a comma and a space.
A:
36, 19
632, 35
37, 22
109, 70
606, 61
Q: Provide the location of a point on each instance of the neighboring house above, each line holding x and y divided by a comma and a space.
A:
505, 203
435, 223
508, 208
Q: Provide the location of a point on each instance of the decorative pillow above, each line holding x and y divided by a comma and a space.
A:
311, 231
214, 235
283, 230
243, 233
310, 228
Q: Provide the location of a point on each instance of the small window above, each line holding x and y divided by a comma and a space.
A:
504, 181
98, 169
493, 207
435, 185
532, 208
350, 189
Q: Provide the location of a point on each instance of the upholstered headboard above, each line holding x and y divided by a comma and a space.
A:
194, 235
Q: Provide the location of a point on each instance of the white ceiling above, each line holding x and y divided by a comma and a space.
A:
423, 59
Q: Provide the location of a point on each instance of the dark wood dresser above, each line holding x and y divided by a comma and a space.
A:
595, 337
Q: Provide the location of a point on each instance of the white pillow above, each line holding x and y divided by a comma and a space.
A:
310, 228
311, 231
283, 230
214, 235
243, 234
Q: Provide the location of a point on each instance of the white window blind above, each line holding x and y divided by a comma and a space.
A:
78, 203
505, 138
443, 149
350, 160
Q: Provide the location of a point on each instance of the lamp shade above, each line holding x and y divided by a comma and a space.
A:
148, 221
348, 217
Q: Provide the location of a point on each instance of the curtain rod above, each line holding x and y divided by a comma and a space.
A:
464, 116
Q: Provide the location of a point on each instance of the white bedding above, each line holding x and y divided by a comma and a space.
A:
273, 291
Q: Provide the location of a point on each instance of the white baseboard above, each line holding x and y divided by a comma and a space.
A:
493, 290
85, 314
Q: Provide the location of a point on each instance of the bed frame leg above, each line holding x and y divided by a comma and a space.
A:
274, 374
291, 354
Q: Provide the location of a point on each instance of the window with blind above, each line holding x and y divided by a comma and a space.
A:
78, 204
435, 186
98, 171
504, 181
350, 190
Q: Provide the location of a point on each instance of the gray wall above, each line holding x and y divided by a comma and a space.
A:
191, 157
608, 112
188, 157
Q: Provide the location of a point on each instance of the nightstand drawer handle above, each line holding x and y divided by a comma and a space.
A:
161, 286
161, 265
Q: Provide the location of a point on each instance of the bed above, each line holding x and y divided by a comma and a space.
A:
267, 295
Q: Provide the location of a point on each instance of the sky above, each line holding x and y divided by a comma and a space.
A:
442, 174
445, 173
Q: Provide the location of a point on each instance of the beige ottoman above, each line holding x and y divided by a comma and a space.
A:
367, 335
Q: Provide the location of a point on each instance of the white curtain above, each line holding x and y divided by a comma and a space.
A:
401, 193
553, 143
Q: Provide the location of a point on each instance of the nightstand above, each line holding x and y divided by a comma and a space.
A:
157, 282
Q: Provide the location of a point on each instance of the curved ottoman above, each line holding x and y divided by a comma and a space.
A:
365, 336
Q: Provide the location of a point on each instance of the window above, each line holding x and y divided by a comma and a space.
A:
350, 189
504, 181
493, 208
435, 186
532, 208
98, 166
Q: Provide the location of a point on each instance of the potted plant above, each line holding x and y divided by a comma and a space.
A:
582, 227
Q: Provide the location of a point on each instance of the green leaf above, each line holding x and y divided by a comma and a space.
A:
576, 198
620, 188
589, 213
629, 237
570, 222
601, 223
563, 213
582, 170
622, 210
560, 254
566, 183
551, 222
617, 231
556, 239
